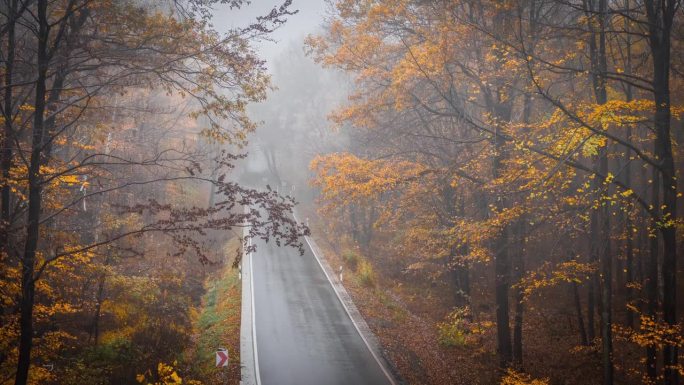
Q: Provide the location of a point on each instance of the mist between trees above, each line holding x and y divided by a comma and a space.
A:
122, 121
501, 179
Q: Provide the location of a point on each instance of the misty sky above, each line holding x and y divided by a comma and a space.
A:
310, 16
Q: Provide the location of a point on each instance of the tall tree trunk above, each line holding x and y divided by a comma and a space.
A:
660, 15
502, 271
606, 290
593, 279
518, 260
578, 310
94, 331
601, 218
669, 206
369, 220
518, 272
652, 281
8, 135
629, 268
460, 272
34, 203
629, 244
353, 223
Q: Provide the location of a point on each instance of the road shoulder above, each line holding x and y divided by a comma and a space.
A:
247, 362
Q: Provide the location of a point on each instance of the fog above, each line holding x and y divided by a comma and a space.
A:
293, 120
368, 191
310, 16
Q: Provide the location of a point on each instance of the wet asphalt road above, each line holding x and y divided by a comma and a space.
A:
303, 334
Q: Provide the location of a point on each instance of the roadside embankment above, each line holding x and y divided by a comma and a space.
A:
216, 324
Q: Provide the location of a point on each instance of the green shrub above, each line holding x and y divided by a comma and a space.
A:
351, 258
453, 332
366, 274
112, 361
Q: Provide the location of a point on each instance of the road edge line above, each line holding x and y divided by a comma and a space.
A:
254, 338
372, 351
249, 369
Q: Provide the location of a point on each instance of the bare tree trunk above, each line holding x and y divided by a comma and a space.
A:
601, 218
518, 272
502, 270
629, 270
353, 222
94, 332
660, 16
652, 281
629, 244
8, 110
460, 273
272, 163
34, 203
669, 206
593, 280
517, 331
606, 295
367, 235
580, 319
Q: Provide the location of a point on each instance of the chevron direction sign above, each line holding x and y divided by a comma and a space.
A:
221, 357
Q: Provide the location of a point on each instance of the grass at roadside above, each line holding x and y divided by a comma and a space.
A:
217, 325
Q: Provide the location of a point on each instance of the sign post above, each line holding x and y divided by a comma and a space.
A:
221, 357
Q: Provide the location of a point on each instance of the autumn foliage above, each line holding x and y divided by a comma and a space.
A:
524, 157
121, 124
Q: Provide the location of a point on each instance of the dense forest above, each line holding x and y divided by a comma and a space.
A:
495, 183
512, 174
121, 124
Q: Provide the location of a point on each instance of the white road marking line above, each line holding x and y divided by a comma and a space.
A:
254, 338
358, 330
